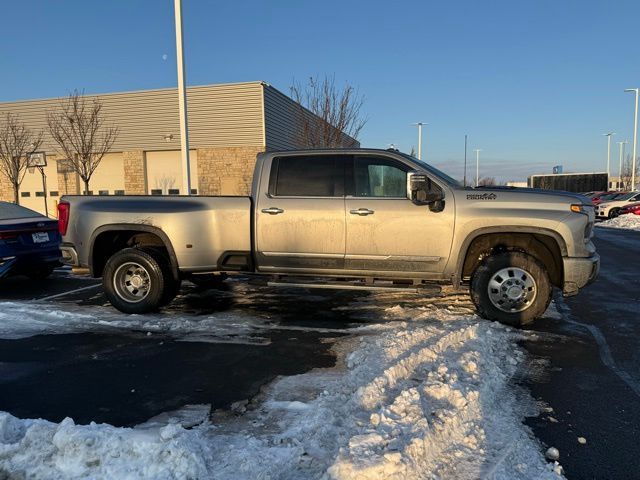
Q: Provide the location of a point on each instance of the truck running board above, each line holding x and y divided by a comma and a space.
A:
348, 286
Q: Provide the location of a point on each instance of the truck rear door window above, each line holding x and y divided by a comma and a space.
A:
308, 176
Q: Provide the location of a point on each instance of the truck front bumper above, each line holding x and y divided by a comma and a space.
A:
579, 272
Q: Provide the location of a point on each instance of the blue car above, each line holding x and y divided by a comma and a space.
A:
29, 242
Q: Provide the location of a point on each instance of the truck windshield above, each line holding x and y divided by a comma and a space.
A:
438, 173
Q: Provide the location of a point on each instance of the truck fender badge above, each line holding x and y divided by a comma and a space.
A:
482, 196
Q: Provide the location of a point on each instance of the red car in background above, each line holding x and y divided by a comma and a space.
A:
634, 208
605, 197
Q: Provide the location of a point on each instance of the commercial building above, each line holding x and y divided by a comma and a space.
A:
229, 124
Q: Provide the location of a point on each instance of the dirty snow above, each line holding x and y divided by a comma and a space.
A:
627, 222
427, 394
25, 319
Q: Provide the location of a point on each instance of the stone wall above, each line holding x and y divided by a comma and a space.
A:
6, 190
226, 170
135, 172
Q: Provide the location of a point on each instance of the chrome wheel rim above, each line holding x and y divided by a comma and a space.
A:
132, 282
512, 289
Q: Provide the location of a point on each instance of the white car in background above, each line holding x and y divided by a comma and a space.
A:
612, 209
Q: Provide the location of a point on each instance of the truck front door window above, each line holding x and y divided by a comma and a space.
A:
379, 177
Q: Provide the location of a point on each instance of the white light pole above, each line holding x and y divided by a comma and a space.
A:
621, 144
635, 139
182, 100
608, 135
420, 124
477, 150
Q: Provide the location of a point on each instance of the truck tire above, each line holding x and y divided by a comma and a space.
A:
171, 285
134, 281
512, 288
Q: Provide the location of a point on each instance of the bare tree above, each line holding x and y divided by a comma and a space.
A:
328, 114
625, 178
165, 183
487, 182
17, 143
80, 131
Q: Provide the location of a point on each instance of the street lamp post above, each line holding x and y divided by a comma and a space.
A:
608, 135
621, 145
635, 139
420, 124
465, 161
477, 150
182, 100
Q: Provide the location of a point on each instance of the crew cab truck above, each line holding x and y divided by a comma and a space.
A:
359, 219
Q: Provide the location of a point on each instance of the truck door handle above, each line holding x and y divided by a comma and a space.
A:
361, 211
272, 210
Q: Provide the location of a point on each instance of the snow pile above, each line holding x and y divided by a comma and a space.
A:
627, 222
427, 395
25, 319
41, 449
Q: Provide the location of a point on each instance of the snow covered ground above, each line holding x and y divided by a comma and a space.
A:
427, 393
627, 222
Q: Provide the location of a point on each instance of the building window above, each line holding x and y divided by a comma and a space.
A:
194, 191
39, 194
25, 194
118, 192
156, 191
53, 193
174, 191
103, 192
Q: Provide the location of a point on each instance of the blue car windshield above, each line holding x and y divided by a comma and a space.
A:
11, 211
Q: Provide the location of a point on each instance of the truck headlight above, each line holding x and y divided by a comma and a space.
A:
581, 208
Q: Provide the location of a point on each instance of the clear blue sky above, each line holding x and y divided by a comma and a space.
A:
533, 83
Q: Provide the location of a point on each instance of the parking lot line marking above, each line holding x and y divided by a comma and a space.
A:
606, 356
63, 294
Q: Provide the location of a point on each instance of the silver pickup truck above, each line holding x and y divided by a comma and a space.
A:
357, 219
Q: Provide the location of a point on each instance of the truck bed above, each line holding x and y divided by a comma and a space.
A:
201, 229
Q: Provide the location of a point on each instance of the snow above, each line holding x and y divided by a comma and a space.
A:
428, 393
627, 222
25, 319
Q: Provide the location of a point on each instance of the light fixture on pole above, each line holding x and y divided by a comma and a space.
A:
609, 135
182, 100
621, 145
39, 160
635, 138
477, 150
420, 124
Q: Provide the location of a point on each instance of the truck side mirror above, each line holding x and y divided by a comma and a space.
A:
421, 191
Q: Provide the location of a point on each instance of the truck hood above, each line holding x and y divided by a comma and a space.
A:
527, 195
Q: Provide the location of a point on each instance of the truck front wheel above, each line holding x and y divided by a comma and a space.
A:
134, 281
512, 288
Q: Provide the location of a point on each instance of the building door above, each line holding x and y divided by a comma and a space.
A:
385, 231
300, 221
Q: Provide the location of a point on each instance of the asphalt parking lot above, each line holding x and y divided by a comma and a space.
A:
124, 377
584, 356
